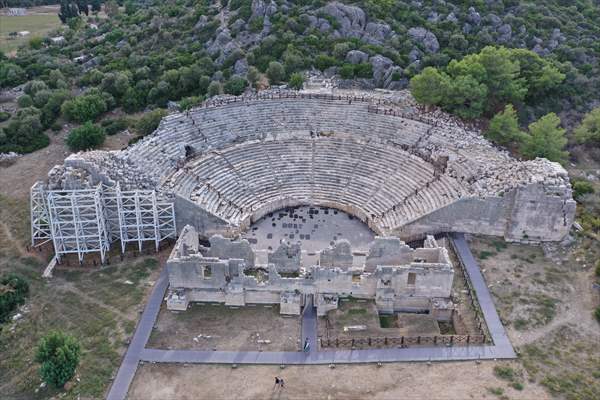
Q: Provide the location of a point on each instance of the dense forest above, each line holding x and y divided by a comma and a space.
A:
473, 59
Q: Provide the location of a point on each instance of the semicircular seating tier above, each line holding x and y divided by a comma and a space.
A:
389, 163
384, 186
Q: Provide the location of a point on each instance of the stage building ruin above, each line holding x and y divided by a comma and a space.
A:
396, 276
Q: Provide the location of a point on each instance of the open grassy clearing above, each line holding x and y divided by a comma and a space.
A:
38, 25
545, 297
100, 308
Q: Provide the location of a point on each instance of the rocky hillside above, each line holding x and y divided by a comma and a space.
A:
157, 53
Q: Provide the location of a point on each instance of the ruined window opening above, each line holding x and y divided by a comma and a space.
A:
207, 272
412, 278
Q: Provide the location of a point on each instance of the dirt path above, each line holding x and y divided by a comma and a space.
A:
17, 245
578, 312
67, 286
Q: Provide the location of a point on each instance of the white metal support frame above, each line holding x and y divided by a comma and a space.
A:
88, 220
40, 220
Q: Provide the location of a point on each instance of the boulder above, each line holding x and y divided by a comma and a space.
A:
377, 33
494, 20
473, 17
381, 66
357, 57
237, 25
352, 19
505, 33
426, 39
452, 18
261, 8
241, 67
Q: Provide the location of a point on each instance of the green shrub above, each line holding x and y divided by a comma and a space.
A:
87, 136
84, 108
35, 43
58, 355
598, 269
56, 127
235, 86
32, 87
546, 139
150, 121
347, 71
215, 88
190, 102
114, 125
275, 72
13, 291
504, 372
581, 188
597, 313
24, 132
11, 75
25, 101
296, 81
4, 116
323, 61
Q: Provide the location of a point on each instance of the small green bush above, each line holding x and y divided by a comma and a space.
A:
87, 136
114, 125
149, 121
58, 354
13, 291
56, 127
190, 102
215, 88
581, 188
25, 101
597, 313
84, 108
4, 116
296, 81
35, 43
504, 372
235, 86
275, 72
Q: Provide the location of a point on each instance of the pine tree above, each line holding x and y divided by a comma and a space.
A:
547, 139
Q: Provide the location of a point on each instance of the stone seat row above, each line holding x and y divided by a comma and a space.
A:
241, 179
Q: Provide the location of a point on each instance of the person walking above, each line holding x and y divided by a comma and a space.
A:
281, 383
277, 381
306, 345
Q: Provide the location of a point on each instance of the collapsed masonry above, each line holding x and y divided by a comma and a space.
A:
396, 276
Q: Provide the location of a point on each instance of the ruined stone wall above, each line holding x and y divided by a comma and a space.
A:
209, 275
527, 213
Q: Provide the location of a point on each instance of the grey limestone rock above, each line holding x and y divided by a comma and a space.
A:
357, 57
425, 38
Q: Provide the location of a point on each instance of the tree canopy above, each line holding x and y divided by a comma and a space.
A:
58, 354
483, 83
546, 139
589, 130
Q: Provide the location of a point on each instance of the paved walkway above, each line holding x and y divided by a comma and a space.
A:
501, 347
309, 324
126, 372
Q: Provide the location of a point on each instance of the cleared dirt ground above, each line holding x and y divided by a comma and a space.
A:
208, 327
466, 380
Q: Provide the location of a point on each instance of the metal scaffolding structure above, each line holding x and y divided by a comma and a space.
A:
40, 221
90, 220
